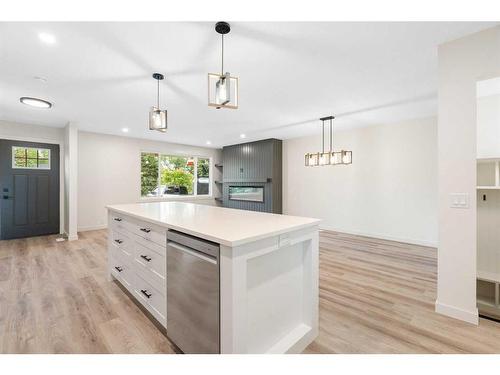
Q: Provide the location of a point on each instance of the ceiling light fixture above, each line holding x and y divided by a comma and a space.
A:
157, 116
243, 136
222, 88
35, 102
47, 38
209, 142
125, 130
331, 157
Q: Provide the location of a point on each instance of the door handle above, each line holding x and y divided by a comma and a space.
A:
146, 230
7, 197
146, 258
119, 269
118, 241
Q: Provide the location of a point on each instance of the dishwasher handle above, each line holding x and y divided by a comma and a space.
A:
192, 252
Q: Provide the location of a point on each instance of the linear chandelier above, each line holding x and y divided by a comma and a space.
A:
331, 157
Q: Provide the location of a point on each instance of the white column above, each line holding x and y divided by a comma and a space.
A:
71, 181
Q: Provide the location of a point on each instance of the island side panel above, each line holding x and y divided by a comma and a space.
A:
269, 294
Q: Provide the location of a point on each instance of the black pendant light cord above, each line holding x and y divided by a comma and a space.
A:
331, 134
323, 137
222, 69
158, 95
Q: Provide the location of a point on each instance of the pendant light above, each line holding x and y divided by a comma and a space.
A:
157, 116
331, 157
222, 88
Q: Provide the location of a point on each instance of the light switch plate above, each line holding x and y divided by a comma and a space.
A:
459, 200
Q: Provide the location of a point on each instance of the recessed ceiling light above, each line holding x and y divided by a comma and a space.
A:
35, 102
243, 136
47, 38
125, 130
209, 143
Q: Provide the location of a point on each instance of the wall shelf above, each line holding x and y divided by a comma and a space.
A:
488, 276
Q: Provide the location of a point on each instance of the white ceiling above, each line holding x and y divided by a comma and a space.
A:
99, 75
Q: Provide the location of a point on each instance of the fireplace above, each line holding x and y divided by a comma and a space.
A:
246, 193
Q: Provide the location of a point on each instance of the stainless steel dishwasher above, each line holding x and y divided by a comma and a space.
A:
193, 293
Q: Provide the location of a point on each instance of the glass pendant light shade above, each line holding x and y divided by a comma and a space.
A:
157, 116
158, 119
346, 157
324, 158
223, 90
336, 158
312, 160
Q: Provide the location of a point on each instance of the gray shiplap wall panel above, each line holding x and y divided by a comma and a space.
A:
254, 164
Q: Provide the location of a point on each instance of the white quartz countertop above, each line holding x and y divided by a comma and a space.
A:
227, 226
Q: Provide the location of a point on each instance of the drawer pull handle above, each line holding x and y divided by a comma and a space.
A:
119, 241
146, 230
117, 219
145, 292
119, 269
146, 258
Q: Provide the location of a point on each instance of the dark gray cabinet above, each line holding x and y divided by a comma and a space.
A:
254, 164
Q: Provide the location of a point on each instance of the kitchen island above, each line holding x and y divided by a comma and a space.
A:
267, 272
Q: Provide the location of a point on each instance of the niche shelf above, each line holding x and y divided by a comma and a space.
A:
488, 237
488, 174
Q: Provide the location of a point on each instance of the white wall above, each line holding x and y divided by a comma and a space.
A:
390, 190
42, 134
488, 127
109, 172
461, 64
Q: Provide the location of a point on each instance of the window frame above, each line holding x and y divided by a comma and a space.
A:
13, 158
167, 197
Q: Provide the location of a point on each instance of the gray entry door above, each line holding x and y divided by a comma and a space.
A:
29, 189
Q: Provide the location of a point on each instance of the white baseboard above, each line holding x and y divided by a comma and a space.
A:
383, 236
95, 227
70, 238
457, 313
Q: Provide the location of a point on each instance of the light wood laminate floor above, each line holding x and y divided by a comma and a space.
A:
375, 297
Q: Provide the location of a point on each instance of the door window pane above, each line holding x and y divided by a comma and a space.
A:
149, 174
203, 176
30, 158
43, 164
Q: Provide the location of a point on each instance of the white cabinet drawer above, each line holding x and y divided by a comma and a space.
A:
151, 298
151, 266
117, 222
122, 272
148, 231
125, 243
120, 255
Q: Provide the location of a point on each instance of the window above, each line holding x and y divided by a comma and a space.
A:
30, 158
163, 175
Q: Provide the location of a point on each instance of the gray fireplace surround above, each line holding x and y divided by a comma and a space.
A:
252, 176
